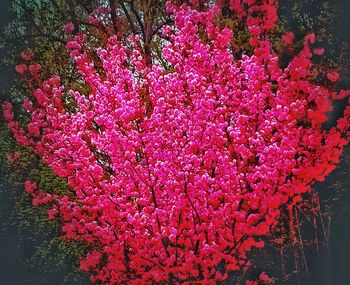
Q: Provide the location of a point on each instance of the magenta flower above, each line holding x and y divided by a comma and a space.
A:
21, 68
179, 173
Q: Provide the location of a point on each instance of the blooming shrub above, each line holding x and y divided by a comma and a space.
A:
178, 173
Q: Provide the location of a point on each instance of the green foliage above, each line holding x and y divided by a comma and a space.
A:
38, 244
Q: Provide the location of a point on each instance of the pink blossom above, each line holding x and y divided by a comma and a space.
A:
52, 212
21, 68
69, 27
288, 38
319, 51
27, 104
333, 76
93, 20
7, 111
26, 55
12, 157
73, 45
30, 186
182, 170
264, 278
34, 68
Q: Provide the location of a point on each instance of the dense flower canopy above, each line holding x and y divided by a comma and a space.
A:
178, 173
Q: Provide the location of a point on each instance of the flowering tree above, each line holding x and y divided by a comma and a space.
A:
179, 169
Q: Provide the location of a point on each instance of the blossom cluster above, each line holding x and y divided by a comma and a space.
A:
29, 65
177, 174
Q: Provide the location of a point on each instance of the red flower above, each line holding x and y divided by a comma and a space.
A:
26, 55
69, 28
288, 38
333, 76
186, 171
21, 68
34, 68
319, 51
264, 278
